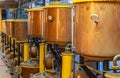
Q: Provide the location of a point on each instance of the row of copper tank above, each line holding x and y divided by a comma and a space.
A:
96, 26
16, 28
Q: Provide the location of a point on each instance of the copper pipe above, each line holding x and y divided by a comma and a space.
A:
117, 57
94, 70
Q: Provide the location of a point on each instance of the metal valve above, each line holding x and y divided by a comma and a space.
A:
95, 18
50, 18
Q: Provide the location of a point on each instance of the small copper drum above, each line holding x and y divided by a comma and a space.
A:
35, 22
58, 22
20, 29
9, 27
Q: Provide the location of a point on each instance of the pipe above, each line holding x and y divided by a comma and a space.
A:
67, 60
87, 71
57, 56
117, 57
72, 29
42, 57
94, 70
26, 52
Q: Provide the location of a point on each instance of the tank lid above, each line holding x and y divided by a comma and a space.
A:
57, 4
67, 54
12, 9
9, 19
37, 8
76, 1
3, 20
20, 20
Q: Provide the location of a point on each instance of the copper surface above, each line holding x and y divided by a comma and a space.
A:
49, 61
20, 30
33, 51
57, 25
3, 26
27, 71
35, 20
9, 27
28, 68
99, 37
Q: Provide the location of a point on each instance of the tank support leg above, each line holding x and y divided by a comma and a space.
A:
14, 47
81, 60
106, 65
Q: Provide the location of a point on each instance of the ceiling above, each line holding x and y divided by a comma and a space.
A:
8, 3
14, 3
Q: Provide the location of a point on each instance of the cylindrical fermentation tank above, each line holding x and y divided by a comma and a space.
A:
20, 29
97, 27
35, 22
9, 27
58, 22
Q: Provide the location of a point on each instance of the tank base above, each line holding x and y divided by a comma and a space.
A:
98, 58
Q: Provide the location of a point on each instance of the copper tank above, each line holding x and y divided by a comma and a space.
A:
97, 28
3, 26
9, 27
35, 22
33, 51
20, 29
49, 61
57, 23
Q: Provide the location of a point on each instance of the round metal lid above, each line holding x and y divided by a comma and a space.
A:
58, 5
37, 8
67, 54
76, 1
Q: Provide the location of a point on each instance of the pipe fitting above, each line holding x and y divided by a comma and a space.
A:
115, 59
50, 18
95, 18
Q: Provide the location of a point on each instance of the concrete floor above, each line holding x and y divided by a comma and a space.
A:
3, 70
